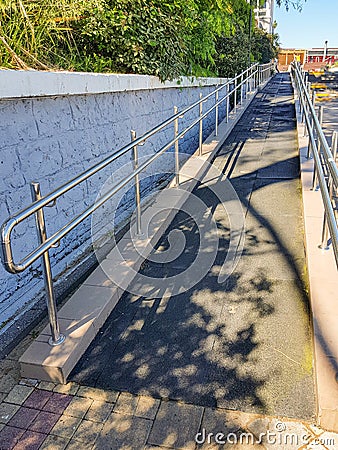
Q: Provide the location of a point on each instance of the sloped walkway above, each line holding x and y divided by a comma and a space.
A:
231, 358
243, 344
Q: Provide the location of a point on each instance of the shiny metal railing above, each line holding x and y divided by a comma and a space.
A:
325, 174
247, 81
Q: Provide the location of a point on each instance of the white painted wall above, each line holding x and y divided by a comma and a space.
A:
54, 125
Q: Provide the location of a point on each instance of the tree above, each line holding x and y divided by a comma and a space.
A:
297, 4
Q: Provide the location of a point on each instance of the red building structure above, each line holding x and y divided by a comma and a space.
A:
312, 59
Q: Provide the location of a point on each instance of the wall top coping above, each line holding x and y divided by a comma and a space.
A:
23, 83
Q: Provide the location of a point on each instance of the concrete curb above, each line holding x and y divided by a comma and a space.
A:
323, 282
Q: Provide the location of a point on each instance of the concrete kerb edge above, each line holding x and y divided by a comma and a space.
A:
326, 414
54, 364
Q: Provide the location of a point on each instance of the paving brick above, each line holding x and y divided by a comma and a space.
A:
98, 394
44, 422
147, 407
78, 407
57, 403
54, 443
87, 432
176, 425
38, 399
9, 436
7, 411
18, 394
30, 440
126, 403
123, 431
29, 382
46, 385
69, 388
99, 411
66, 426
23, 417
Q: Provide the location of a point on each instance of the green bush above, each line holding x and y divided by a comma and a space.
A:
235, 52
166, 38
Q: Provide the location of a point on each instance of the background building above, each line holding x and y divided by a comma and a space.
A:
312, 58
264, 15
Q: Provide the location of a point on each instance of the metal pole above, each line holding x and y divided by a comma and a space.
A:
241, 82
309, 147
235, 94
320, 118
325, 233
303, 106
216, 113
227, 103
200, 125
307, 109
137, 186
177, 163
57, 338
334, 145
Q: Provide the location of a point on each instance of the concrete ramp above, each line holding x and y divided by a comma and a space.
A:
240, 341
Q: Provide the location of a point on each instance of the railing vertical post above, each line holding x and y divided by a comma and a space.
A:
320, 118
309, 147
57, 338
216, 113
235, 93
334, 145
325, 232
303, 106
227, 102
177, 163
307, 108
241, 83
137, 186
200, 125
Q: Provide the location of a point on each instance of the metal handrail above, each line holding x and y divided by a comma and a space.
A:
255, 73
325, 168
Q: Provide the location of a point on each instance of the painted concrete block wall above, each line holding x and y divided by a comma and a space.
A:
50, 134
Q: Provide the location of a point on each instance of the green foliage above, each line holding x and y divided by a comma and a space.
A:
235, 52
296, 4
134, 36
30, 30
167, 38
232, 54
264, 46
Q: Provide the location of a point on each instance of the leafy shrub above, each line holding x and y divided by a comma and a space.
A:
166, 38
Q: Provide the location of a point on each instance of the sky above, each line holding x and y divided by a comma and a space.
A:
315, 24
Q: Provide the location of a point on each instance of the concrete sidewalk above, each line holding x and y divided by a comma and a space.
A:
234, 358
